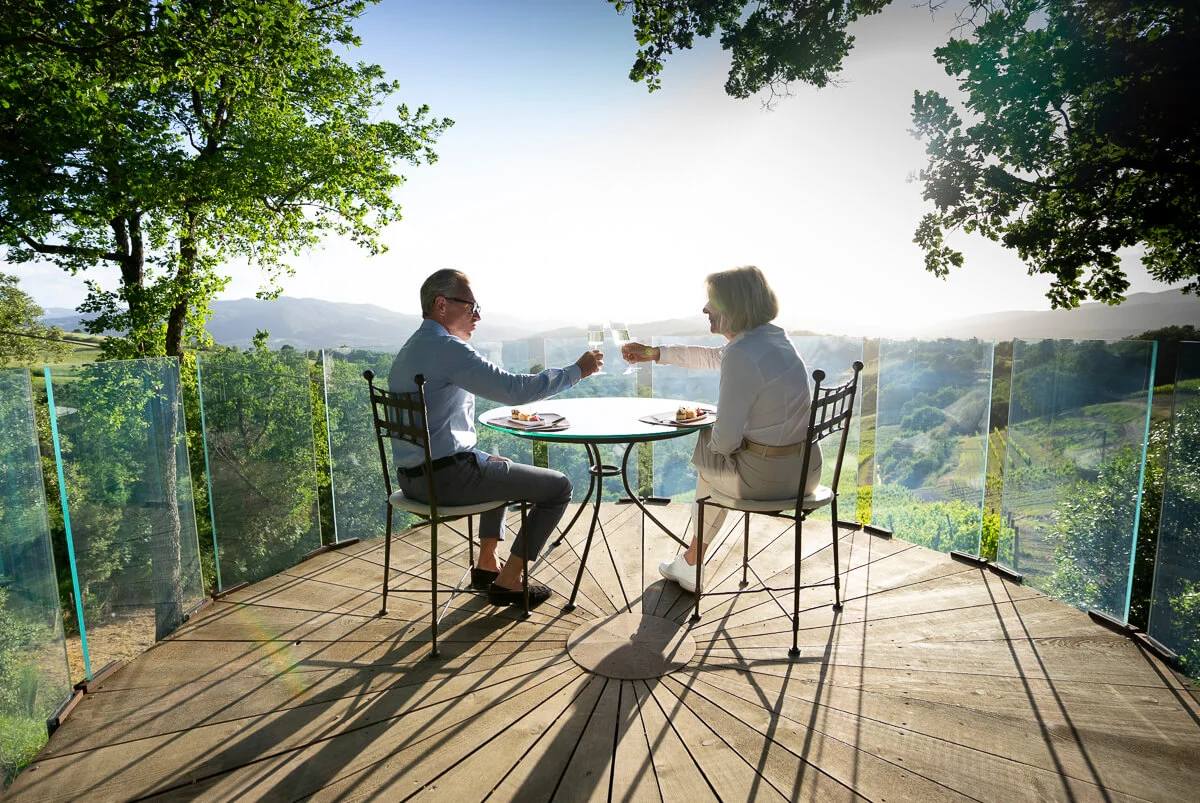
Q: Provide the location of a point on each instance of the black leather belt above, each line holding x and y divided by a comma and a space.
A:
441, 462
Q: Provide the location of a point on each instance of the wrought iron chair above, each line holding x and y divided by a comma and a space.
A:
832, 409
402, 416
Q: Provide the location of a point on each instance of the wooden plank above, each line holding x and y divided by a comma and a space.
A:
633, 764
588, 775
561, 566
475, 775
124, 716
535, 775
962, 771
299, 750
730, 777
678, 776
628, 553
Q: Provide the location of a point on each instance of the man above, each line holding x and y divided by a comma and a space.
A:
462, 473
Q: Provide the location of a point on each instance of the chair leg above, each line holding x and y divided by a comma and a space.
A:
433, 593
387, 558
837, 564
471, 542
525, 561
699, 558
794, 652
745, 550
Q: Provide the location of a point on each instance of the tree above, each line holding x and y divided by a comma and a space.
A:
22, 336
169, 138
1079, 143
1076, 141
778, 42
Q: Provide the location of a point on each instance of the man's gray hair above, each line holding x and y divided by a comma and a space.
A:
445, 282
743, 299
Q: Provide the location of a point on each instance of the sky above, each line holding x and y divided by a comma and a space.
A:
569, 194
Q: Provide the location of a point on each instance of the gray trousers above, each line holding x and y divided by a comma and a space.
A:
468, 481
747, 475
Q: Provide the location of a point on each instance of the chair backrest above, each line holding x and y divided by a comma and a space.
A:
832, 409
401, 416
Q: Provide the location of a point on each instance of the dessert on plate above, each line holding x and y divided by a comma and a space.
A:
517, 415
685, 413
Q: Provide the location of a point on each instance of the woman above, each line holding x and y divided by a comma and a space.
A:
755, 450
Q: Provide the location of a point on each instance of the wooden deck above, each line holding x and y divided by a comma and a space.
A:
938, 681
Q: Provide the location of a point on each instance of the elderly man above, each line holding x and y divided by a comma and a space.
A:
463, 474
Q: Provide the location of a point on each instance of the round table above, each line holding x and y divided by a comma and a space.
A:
594, 421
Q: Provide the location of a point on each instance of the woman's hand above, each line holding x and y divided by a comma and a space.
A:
639, 352
495, 458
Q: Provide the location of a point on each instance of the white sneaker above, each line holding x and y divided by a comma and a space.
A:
681, 572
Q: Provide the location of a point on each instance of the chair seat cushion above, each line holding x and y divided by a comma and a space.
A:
398, 499
820, 497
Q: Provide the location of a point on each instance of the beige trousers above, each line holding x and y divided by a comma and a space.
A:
746, 475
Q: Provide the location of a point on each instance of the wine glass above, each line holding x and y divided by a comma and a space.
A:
620, 336
595, 338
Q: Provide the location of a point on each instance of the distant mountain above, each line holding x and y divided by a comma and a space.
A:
1139, 313
310, 323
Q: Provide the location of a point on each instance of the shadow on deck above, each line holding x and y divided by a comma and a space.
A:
937, 681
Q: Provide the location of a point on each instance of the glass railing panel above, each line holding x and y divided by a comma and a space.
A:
931, 443
258, 436
1175, 603
34, 675
128, 508
835, 355
1075, 447
359, 495
674, 475
571, 459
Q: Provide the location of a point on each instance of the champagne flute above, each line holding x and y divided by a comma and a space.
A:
620, 336
595, 338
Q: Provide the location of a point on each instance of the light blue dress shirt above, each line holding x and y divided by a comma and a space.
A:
454, 374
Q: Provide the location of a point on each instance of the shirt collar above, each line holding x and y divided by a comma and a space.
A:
433, 327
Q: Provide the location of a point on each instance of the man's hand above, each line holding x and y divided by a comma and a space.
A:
639, 352
590, 362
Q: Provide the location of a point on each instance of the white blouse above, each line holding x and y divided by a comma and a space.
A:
764, 392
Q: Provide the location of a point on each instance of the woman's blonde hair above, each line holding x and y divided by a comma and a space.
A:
743, 298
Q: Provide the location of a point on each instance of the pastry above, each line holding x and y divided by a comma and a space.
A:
517, 415
689, 413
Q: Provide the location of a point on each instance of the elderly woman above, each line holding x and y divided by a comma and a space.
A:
755, 450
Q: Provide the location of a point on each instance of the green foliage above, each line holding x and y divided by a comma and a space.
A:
776, 42
20, 740
1077, 143
170, 140
1093, 538
920, 419
23, 339
259, 428
1175, 612
943, 525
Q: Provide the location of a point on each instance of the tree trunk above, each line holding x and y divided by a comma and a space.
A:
177, 317
166, 574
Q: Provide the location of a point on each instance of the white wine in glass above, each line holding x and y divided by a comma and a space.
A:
620, 336
595, 338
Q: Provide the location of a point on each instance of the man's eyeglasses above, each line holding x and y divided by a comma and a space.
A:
475, 308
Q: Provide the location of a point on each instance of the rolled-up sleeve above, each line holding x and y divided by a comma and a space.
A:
704, 358
468, 369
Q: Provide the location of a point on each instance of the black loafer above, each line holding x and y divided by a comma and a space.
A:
499, 595
482, 578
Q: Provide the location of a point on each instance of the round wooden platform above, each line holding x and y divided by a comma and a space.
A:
937, 681
631, 646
